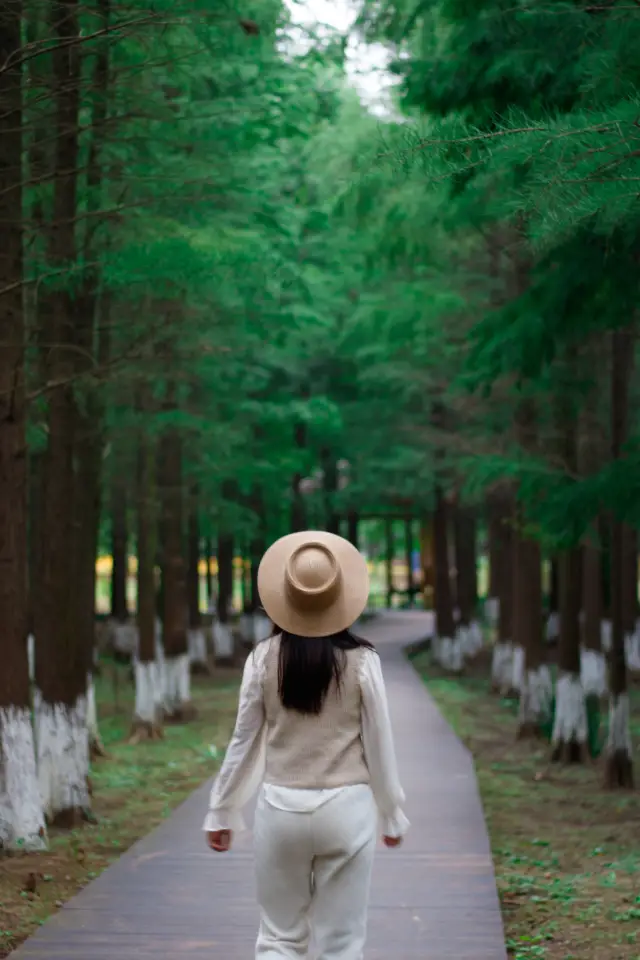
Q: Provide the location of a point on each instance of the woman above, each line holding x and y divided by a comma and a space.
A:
313, 727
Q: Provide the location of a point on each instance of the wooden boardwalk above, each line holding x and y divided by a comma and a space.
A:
434, 899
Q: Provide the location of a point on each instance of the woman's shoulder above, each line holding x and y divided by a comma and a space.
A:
364, 656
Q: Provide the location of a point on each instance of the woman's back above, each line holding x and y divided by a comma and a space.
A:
315, 750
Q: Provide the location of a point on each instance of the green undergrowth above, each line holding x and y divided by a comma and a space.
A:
566, 851
134, 788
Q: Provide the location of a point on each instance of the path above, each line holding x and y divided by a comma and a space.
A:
434, 899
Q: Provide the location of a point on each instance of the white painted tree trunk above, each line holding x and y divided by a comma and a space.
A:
593, 672
178, 679
619, 749
470, 639
632, 650
492, 611
261, 628
535, 698
197, 642
570, 729
246, 628
21, 815
552, 629
606, 635
149, 694
62, 749
449, 654
222, 641
501, 665
31, 657
516, 678
123, 638
95, 740
619, 736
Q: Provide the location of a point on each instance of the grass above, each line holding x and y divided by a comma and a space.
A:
134, 789
566, 851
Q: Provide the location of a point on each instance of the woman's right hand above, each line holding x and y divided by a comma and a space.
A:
392, 842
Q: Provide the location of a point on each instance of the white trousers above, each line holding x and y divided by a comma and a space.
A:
313, 877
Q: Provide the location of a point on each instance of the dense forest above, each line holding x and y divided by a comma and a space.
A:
234, 303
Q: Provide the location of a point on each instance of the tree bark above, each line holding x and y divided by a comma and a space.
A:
570, 731
593, 667
223, 635
330, 489
208, 549
466, 564
389, 556
193, 564
353, 520
619, 753
197, 638
174, 620
119, 551
61, 675
21, 816
446, 651
148, 710
530, 674
503, 559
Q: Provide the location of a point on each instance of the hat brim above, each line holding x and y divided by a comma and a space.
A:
351, 598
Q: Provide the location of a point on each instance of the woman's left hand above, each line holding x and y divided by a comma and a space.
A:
220, 840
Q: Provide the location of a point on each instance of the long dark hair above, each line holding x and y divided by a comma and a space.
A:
308, 665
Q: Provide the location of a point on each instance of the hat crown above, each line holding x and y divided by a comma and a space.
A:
313, 575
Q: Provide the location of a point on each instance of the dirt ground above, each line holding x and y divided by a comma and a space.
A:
566, 851
134, 788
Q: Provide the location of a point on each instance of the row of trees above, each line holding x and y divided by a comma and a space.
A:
510, 208
233, 303
172, 359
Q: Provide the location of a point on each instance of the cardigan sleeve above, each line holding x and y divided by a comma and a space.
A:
243, 766
377, 738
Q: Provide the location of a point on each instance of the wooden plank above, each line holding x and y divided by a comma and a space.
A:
434, 899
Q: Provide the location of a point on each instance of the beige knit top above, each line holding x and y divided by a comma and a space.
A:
315, 752
268, 745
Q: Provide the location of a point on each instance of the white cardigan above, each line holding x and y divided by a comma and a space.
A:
243, 769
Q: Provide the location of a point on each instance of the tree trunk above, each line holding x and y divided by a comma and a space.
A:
553, 617
353, 520
593, 664
21, 816
448, 651
61, 662
570, 730
208, 549
174, 621
630, 600
87, 523
530, 674
619, 751
408, 552
330, 489
223, 635
469, 632
498, 536
197, 638
119, 552
149, 665
257, 625
504, 550
389, 556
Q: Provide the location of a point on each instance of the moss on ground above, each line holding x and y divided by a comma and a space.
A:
566, 851
134, 788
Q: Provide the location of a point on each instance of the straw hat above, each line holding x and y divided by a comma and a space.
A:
313, 584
